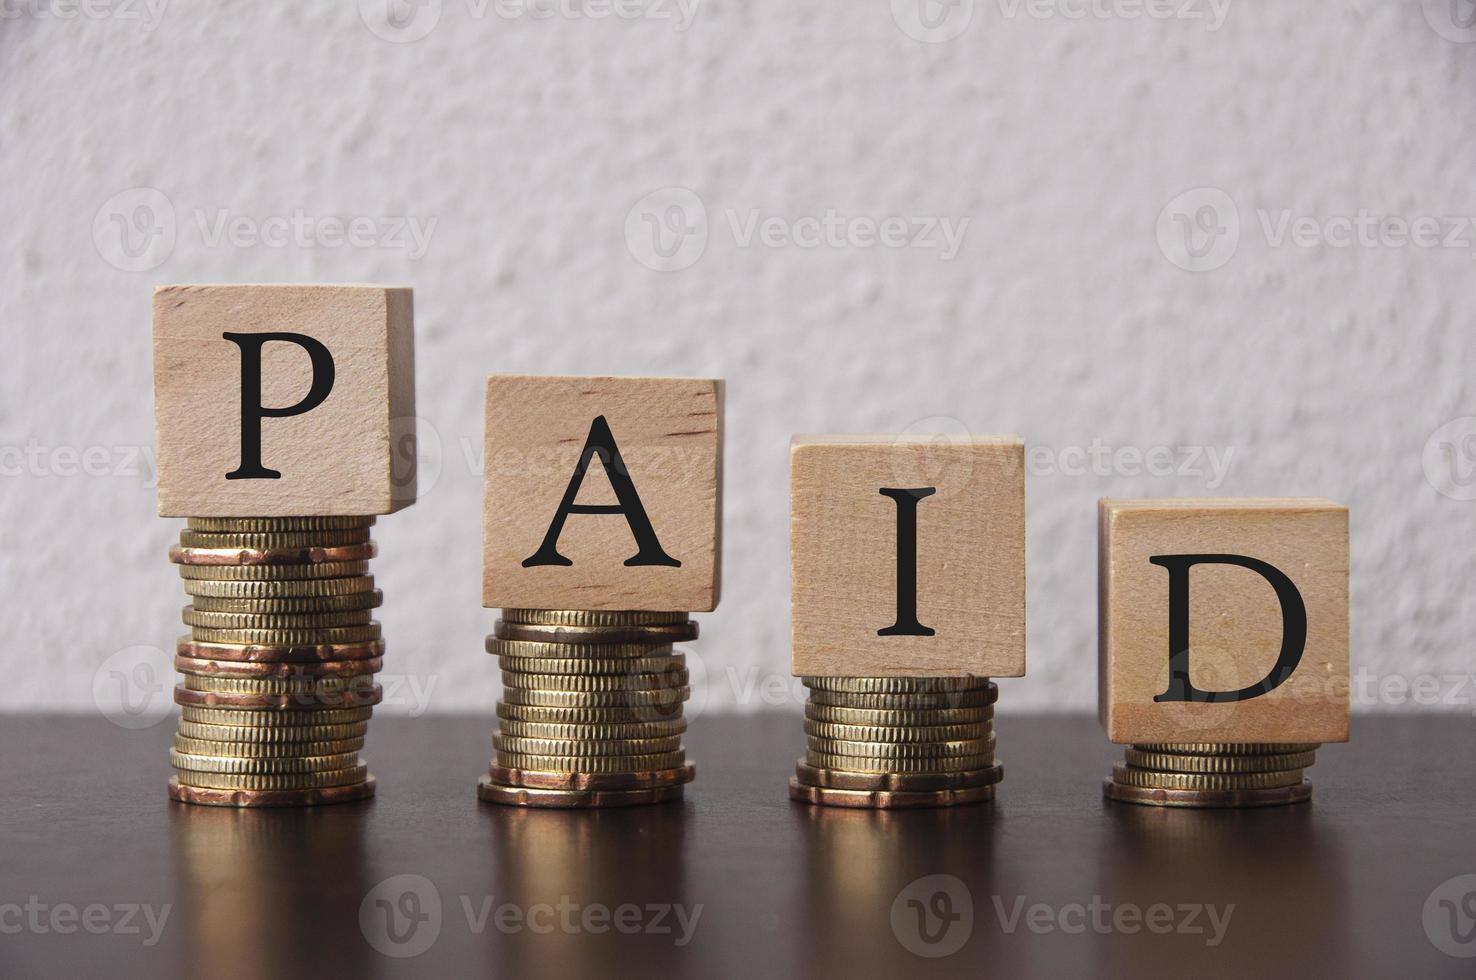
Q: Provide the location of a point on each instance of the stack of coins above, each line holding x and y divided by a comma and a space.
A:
279, 665
1212, 774
892, 742
591, 710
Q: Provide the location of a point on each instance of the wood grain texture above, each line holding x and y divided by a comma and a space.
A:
353, 454
1235, 619
669, 432
970, 555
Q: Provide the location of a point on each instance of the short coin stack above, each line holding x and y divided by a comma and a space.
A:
591, 710
1212, 774
893, 742
279, 667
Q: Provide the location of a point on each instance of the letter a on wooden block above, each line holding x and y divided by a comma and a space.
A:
908, 555
1223, 620
278, 401
603, 493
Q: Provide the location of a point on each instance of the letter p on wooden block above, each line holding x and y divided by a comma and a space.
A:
284, 401
1223, 620
603, 493
908, 556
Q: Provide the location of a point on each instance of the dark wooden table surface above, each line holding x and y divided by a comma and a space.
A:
737, 880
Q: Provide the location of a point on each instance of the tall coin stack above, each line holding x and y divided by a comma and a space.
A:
1212, 774
894, 742
591, 710
279, 665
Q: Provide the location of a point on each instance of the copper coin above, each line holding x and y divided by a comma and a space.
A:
270, 797
493, 792
1207, 798
263, 653
247, 668
532, 779
884, 800
181, 555
896, 782
279, 702
655, 634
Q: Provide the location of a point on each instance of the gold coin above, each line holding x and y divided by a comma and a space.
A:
601, 747
349, 602
661, 715
288, 638
906, 702
277, 685
274, 540
228, 557
262, 767
896, 685
1166, 762
539, 729
856, 763
1227, 748
288, 721
534, 779
265, 735
898, 718
897, 782
653, 700
902, 750
876, 733
673, 633
268, 525
278, 591
1190, 798
289, 703
258, 781
490, 791
265, 750
250, 668
529, 649
304, 654
591, 617
1204, 780
249, 798
591, 763
884, 800
275, 573
592, 665
593, 683
255, 621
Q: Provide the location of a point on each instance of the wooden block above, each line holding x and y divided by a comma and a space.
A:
603, 493
322, 376
1223, 620
880, 524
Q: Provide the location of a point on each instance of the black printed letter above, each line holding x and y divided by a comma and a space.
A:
252, 410
907, 624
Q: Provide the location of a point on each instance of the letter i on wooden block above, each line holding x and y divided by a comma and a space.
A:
1223, 635
603, 529
285, 421
908, 576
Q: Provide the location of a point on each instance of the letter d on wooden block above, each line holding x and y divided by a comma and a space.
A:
603, 493
1223, 620
275, 401
908, 556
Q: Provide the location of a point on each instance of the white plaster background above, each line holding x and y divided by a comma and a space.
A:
527, 141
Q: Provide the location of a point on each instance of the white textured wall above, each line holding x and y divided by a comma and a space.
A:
527, 141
